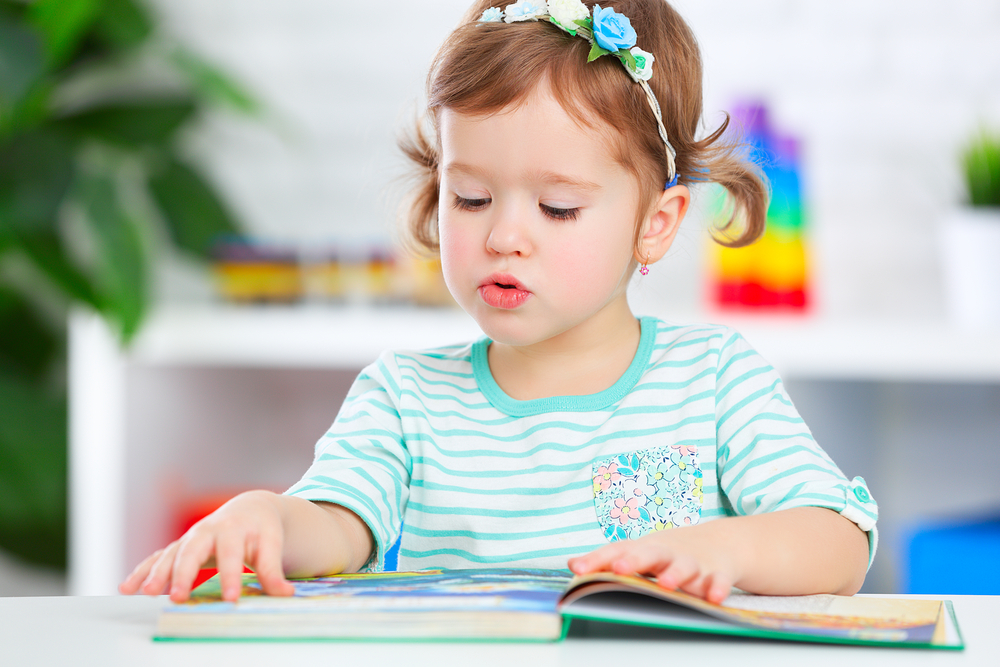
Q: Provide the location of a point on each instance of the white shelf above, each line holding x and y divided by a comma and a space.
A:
352, 337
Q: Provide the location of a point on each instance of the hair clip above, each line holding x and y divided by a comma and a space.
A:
608, 32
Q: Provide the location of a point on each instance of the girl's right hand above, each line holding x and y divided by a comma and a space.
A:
246, 530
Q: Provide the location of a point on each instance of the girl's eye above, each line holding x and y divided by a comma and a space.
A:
471, 204
560, 213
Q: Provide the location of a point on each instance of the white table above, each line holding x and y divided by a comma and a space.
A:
113, 631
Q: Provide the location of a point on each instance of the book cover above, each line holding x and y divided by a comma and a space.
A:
538, 605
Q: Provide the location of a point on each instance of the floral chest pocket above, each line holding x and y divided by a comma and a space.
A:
654, 489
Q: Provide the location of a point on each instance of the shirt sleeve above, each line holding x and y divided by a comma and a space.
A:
767, 458
362, 462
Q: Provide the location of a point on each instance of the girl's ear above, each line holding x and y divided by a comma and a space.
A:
662, 224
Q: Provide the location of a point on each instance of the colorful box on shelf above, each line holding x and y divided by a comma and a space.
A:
772, 273
254, 271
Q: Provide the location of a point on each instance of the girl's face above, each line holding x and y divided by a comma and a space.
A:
536, 223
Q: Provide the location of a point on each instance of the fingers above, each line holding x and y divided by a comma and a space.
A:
268, 566
689, 566
597, 560
132, 582
194, 552
158, 578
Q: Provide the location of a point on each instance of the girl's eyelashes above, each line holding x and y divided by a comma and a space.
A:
471, 204
560, 213
478, 204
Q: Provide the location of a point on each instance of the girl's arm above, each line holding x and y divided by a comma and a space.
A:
275, 535
798, 551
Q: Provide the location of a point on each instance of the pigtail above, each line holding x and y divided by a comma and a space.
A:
419, 210
720, 160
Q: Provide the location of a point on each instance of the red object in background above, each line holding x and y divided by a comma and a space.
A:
193, 511
758, 296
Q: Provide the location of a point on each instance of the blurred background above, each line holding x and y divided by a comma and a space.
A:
218, 181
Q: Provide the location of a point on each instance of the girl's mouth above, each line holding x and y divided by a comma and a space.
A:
503, 291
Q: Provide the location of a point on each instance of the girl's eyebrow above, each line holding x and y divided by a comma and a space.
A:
546, 177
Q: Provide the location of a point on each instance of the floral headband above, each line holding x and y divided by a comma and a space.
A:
608, 32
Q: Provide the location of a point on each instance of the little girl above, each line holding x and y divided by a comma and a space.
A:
574, 434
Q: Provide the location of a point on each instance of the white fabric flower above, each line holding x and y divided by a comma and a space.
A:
567, 12
643, 64
492, 15
525, 10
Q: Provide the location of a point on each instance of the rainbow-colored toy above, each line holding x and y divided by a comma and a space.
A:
773, 272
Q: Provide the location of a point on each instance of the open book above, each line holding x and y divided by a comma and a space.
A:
504, 604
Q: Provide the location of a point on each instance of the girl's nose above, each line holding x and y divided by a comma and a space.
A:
508, 233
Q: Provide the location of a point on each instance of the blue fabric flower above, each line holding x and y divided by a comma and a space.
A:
492, 15
612, 31
525, 10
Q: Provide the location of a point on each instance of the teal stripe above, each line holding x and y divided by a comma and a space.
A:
512, 491
733, 359
424, 414
682, 363
368, 433
440, 352
508, 558
490, 474
742, 379
753, 489
420, 398
495, 537
550, 446
683, 384
495, 512
361, 412
683, 342
395, 511
743, 403
773, 416
382, 461
432, 369
387, 376
364, 395
829, 502
442, 383
328, 484
656, 409
751, 446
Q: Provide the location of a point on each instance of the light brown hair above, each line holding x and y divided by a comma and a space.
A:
483, 68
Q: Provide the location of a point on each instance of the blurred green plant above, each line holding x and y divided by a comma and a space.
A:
93, 183
981, 168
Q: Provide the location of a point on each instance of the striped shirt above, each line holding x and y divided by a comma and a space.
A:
699, 427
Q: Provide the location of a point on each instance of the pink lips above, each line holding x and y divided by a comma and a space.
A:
503, 291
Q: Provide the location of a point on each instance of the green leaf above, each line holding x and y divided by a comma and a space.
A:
21, 62
122, 270
133, 123
981, 165
571, 31
213, 84
63, 23
35, 174
195, 215
33, 472
628, 59
587, 23
123, 24
596, 52
27, 344
47, 252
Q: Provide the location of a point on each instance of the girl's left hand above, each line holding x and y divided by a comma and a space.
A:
695, 559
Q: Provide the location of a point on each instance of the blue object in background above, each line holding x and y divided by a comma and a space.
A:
961, 559
392, 555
